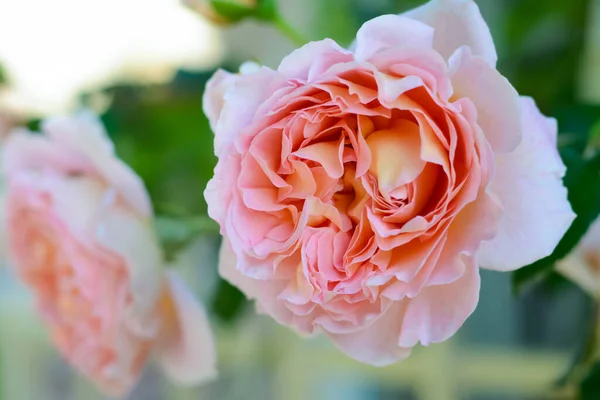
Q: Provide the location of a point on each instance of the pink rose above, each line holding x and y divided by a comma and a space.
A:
359, 191
80, 235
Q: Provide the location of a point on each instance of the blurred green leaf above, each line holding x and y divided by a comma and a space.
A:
177, 233
3, 78
232, 11
228, 302
583, 182
162, 133
590, 386
267, 10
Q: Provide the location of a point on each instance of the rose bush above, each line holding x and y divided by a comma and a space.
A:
359, 191
80, 232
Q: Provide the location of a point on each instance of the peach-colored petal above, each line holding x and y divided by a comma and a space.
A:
395, 155
536, 212
457, 23
186, 348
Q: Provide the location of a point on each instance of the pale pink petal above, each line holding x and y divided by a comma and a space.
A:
313, 59
84, 135
457, 23
186, 349
266, 292
536, 212
494, 98
241, 103
214, 95
439, 311
378, 343
390, 31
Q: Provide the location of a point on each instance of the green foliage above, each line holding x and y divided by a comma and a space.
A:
232, 11
3, 78
265, 10
228, 302
590, 386
162, 133
177, 233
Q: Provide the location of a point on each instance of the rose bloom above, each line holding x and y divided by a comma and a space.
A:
80, 232
582, 266
359, 191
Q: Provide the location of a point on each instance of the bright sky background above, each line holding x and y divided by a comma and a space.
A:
53, 48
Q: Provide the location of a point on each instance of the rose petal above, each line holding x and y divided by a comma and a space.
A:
213, 99
496, 101
84, 135
217, 86
528, 184
438, 311
186, 348
376, 344
389, 31
241, 102
312, 60
457, 23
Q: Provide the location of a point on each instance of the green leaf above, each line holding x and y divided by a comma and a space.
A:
3, 78
177, 233
590, 386
266, 10
228, 302
231, 10
583, 182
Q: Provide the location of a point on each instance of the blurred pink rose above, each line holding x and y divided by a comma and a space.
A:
582, 266
359, 191
80, 236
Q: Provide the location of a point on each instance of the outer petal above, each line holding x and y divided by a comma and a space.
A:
496, 101
214, 93
528, 183
265, 292
85, 136
439, 311
377, 344
241, 103
313, 59
216, 89
390, 31
186, 348
457, 23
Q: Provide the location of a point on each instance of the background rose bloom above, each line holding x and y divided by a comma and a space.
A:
359, 191
80, 235
582, 265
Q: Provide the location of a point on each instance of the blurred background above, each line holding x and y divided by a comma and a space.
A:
143, 64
